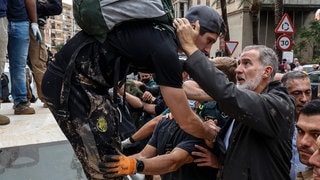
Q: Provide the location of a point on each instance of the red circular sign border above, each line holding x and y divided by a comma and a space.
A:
289, 47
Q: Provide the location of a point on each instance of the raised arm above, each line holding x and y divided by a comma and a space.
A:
177, 102
194, 92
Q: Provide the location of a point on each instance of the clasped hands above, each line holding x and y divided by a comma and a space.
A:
213, 130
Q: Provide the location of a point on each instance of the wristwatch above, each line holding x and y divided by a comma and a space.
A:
140, 166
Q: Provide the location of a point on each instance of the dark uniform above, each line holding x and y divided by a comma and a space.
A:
77, 83
167, 136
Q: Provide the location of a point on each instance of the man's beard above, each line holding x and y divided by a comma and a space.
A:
252, 84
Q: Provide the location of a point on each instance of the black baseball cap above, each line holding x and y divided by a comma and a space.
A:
209, 18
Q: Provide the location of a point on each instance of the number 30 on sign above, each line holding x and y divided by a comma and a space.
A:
284, 42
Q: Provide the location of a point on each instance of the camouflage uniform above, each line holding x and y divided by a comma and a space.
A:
84, 109
76, 83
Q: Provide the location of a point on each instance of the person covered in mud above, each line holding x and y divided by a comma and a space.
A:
77, 83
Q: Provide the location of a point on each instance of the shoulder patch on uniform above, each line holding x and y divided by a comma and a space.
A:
102, 124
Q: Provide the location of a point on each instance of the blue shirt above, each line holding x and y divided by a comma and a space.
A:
3, 8
17, 11
296, 165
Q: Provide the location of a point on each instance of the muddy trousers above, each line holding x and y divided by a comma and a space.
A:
91, 125
38, 58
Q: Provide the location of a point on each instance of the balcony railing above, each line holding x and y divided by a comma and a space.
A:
295, 2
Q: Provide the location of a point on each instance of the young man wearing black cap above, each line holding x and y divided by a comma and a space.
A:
85, 68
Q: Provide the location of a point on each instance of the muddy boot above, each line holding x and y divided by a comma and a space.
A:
23, 108
4, 120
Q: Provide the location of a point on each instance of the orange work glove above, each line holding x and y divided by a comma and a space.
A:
118, 165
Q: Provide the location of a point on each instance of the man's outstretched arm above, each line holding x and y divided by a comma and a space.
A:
145, 162
177, 102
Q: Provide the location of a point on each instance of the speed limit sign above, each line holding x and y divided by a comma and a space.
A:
284, 42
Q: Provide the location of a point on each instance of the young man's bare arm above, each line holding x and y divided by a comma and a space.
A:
137, 103
169, 162
31, 10
147, 129
194, 92
177, 102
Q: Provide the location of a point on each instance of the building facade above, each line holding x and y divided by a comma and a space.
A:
240, 20
60, 28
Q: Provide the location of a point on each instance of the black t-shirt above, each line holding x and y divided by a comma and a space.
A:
143, 46
17, 11
148, 47
166, 137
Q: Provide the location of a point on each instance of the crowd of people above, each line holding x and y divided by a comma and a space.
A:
198, 118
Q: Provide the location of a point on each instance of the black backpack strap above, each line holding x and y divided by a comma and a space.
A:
66, 86
116, 77
117, 100
116, 83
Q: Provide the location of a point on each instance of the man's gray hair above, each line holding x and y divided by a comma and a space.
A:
293, 75
267, 56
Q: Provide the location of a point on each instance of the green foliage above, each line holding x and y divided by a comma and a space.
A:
309, 38
59, 46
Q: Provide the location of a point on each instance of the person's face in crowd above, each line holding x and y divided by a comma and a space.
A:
288, 68
249, 71
301, 90
205, 41
308, 127
314, 160
145, 77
